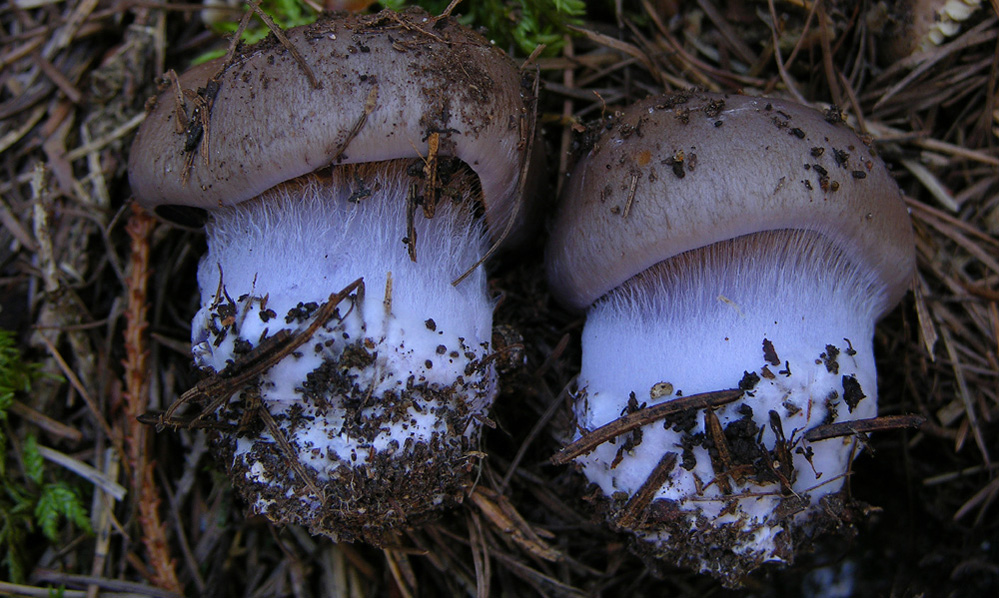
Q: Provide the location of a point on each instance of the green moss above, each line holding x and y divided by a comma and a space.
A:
521, 25
31, 498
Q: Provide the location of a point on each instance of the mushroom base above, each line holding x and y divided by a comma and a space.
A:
370, 422
704, 541
778, 315
368, 464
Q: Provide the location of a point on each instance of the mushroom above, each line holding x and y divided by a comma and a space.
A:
391, 150
727, 242
921, 25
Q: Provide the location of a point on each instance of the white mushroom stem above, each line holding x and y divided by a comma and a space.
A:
400, 369
699, 322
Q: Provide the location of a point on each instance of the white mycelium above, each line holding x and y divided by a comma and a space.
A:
384, 402
781, 312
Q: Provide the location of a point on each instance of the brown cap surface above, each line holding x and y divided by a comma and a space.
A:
679, 172
387, 82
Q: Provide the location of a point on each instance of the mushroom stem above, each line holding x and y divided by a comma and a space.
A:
386, 397
782, 315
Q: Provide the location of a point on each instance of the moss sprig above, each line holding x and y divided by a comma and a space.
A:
31, 499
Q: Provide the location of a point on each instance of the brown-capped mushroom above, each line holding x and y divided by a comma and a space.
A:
727, 242
391, 150
920, 25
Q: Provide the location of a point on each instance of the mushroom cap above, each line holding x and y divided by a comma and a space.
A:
683, 171
386, 83
918, 25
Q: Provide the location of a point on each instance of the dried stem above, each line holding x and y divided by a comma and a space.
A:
140, 227
863, 426
642, 417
